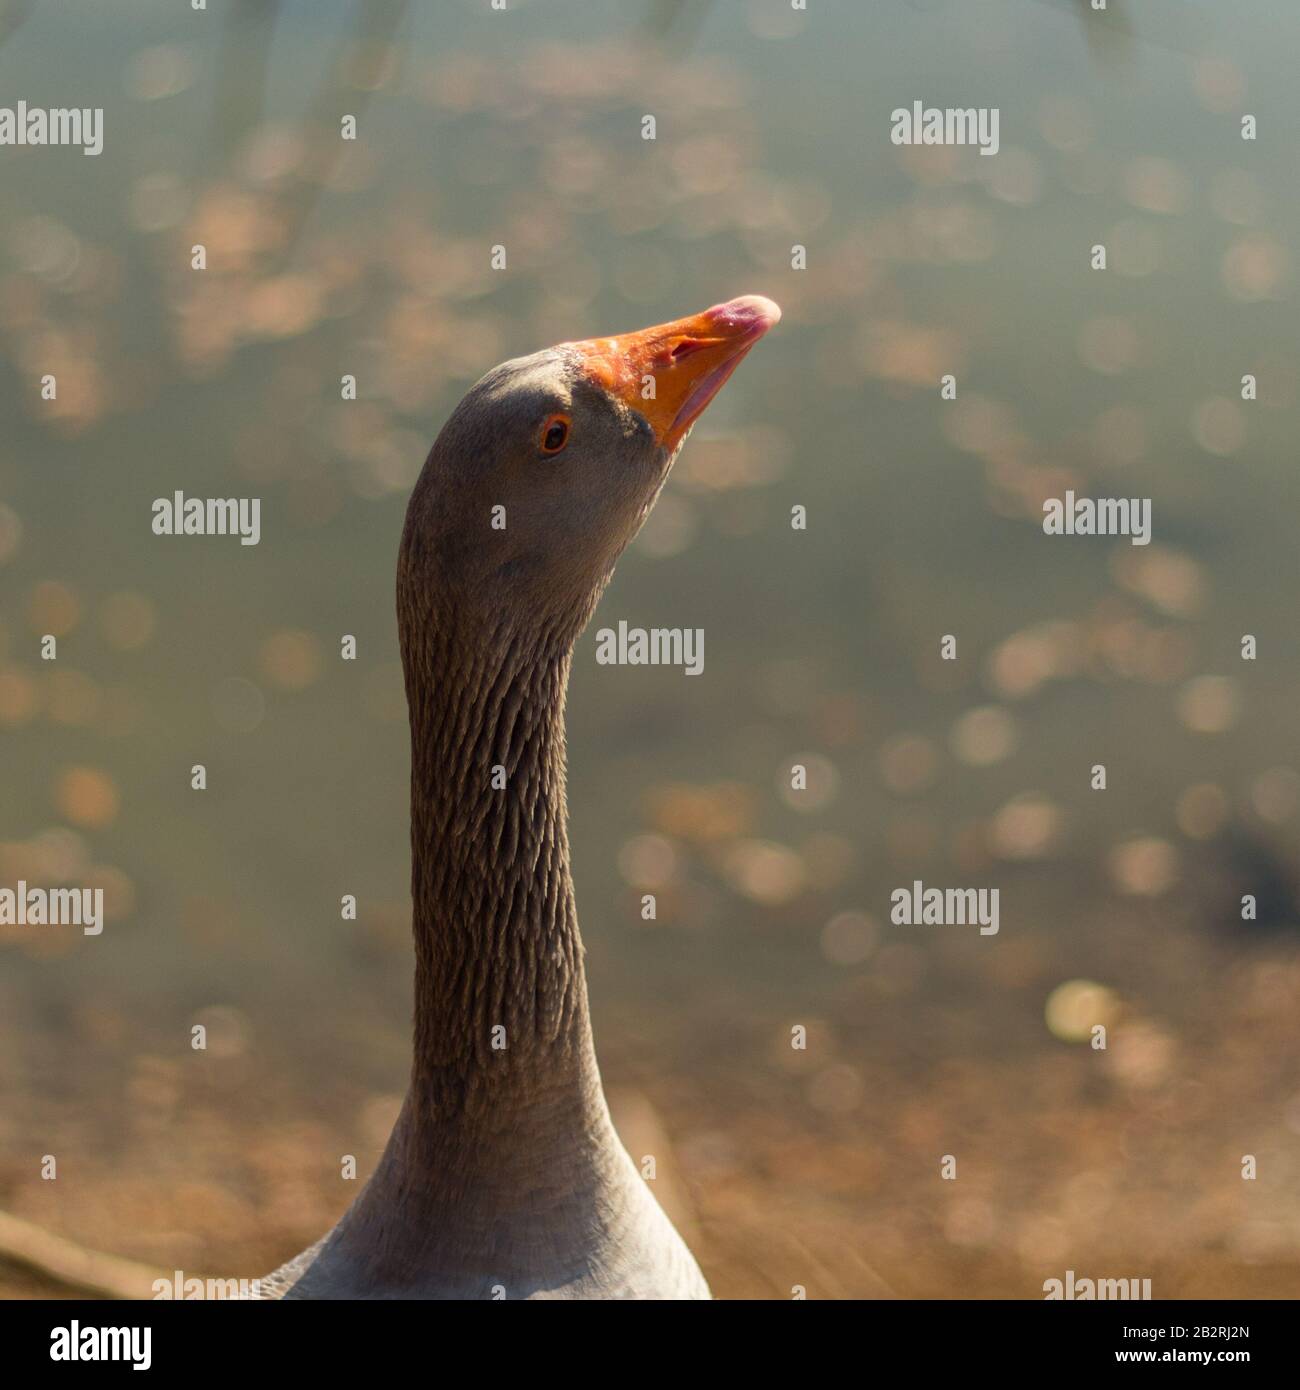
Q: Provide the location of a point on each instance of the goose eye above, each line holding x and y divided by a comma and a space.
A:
555, 434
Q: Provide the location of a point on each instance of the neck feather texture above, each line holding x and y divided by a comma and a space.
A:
503, 1158
500, 993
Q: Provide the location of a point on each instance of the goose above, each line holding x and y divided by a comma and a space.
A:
503, 1176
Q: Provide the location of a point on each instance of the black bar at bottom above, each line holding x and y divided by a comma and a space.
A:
96, 1338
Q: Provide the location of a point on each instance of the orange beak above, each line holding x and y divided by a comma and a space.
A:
669, 373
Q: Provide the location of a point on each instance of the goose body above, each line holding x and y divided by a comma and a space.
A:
503, 1177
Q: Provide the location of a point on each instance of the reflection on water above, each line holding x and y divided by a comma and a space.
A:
370, 258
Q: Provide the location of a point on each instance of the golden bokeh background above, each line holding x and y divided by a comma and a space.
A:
819, 1167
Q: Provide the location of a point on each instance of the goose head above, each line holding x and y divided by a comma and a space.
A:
550, 464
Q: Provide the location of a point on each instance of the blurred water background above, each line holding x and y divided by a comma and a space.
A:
820, 1167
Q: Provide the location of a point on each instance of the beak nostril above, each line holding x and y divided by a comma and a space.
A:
686, 347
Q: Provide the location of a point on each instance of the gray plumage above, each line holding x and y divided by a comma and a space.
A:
503, 1176
503, 1172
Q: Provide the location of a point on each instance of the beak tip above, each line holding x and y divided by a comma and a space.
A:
749, 311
